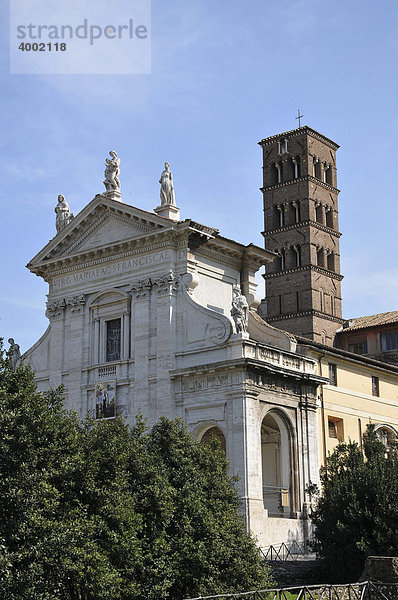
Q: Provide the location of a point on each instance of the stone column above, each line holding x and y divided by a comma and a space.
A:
140, 345
279, 170
126, 336
165, 288
96, 339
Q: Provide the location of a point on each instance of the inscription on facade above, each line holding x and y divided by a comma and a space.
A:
200, 383
106, 271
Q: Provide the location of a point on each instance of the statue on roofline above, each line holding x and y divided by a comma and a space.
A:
112, 172
64, 216
15, 353
167, 186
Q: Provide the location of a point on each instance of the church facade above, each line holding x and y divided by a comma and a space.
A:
156, 315
149, 314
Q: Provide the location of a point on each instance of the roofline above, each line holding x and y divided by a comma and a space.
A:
352, 357
360, 327
298, 131
263, 252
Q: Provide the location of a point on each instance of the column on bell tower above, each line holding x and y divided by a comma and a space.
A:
300, 198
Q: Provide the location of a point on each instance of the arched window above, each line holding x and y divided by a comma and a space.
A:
329, 217
282, 259
282, 146
279, 174
317, 168
276, 465
297, 255
321, 300
296, 207
281, 214
329, 174
388, 435
319, 212
296, 166
320, 257
211, 433
330, 260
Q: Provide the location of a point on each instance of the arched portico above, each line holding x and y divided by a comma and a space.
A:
276, 464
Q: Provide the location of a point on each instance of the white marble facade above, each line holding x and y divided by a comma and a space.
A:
144, 302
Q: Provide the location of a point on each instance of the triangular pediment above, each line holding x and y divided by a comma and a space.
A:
107, 230
102, 223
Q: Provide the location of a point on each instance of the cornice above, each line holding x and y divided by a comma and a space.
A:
346, 355
227, 259
305, 178
307, 223
96, 260
296, 132
245, 364
330, 274
305, 313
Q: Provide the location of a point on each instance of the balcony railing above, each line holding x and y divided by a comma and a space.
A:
276, 499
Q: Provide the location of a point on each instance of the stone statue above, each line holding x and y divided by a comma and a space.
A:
15, 353
64, 216
239, 310
167, 186
112, 172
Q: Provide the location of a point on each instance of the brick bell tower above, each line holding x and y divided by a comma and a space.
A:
303, 285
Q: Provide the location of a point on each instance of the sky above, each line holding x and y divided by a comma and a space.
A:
223, 76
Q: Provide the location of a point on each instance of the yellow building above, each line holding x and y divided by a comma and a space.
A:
360, 391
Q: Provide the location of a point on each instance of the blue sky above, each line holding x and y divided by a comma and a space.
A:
224, 75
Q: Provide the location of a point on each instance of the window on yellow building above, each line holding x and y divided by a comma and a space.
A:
335, 428
332, 374
375, 386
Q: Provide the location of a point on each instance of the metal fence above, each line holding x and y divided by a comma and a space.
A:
366, 590
291, 551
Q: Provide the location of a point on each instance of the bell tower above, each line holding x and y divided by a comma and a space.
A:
300, 199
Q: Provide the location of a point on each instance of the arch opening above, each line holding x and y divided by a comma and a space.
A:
388, 436
276, 466
210, 434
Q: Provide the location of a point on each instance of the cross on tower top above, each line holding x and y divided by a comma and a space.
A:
299, 117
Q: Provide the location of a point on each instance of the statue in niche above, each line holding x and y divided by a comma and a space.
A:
239, 310
63, 214
112, 172
15, 353
167, 186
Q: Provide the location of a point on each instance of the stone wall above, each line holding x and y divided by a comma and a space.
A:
381, 568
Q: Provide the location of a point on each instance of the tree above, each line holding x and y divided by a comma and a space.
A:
357, 513
107, 512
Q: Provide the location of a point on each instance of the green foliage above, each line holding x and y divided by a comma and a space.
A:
357, 514
101, 511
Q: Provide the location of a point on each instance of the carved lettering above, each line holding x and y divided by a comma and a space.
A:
106, 271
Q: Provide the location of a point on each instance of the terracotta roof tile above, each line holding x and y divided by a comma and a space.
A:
371, 321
